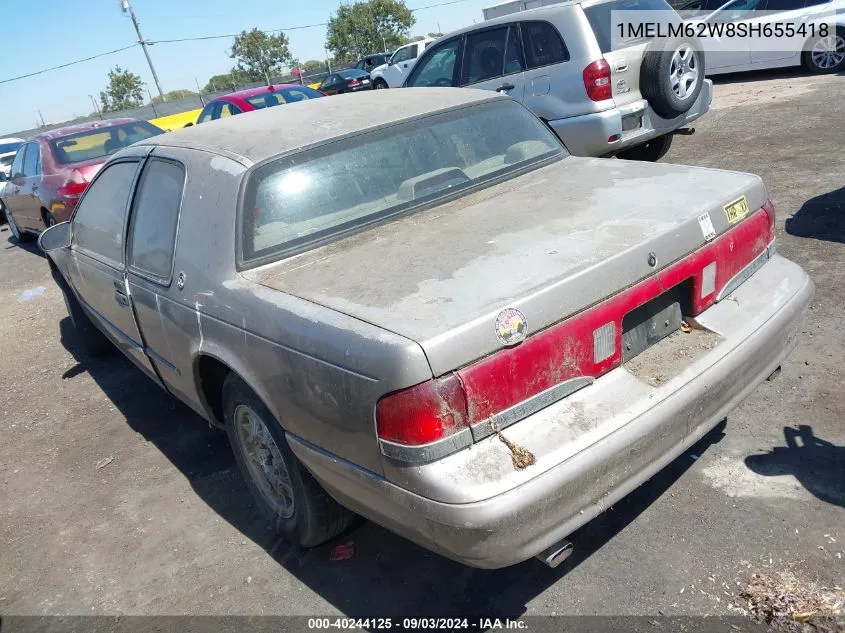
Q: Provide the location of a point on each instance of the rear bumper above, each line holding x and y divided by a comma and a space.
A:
588, 135
606, 439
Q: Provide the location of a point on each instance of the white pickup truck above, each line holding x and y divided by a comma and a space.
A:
393, 73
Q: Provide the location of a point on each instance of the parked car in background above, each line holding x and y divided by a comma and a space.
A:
255, 99
349, 80
8, 148
429, 313
558, 60
370, 62
393, 73
52, 170
819, 53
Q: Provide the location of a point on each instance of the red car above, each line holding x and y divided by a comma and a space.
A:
256, 99
52, 170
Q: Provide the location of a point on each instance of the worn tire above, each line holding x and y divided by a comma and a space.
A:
650, 151
316, 517
92, 340
655, 76
380, 84
807, 55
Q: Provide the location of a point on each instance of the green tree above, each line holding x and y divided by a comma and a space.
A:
260, 55
368, 26
124, 92
313, 66
174, 95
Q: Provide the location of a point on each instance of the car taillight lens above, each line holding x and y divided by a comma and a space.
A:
597, 80
422, 414
74, 187
581, 347
769, 208
354, 83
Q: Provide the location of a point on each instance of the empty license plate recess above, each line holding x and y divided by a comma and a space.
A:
650, 323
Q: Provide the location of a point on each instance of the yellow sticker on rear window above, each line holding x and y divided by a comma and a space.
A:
736, 210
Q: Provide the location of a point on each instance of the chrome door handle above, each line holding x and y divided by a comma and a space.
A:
505, 88
121, 299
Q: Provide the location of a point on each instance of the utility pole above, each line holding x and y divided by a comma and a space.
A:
127, 8
96, 107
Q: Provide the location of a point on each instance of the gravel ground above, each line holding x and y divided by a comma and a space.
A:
115, 499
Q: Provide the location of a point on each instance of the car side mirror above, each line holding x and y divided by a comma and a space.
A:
390, 62
57, 236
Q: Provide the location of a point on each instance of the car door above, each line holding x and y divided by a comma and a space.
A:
723, 52
153, 223
439, 66
774, 51
492, 60
13, 192
97, 271
29, 216
400, 63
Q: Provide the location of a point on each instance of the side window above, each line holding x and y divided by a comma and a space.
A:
329, 80
484, 55
404, 54
32, 160
152, 224
100, 216
783, 5
206, 114
513, 52
542, 45
815, 3
17, 164
228, 109
437, 68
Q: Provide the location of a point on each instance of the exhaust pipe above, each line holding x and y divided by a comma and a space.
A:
685, 131
556, 554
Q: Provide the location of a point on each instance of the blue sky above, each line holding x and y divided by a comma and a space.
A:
41, 33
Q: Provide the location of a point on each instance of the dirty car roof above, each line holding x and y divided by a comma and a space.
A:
272, 131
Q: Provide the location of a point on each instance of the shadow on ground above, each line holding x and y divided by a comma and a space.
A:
816, 463
791, 72
820, 218
387, 575
8, 241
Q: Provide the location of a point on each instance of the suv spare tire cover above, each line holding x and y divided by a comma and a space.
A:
672, 74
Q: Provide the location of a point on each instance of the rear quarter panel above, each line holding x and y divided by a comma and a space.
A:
318, 371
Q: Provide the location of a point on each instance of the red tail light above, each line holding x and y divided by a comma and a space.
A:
354, 83
585, 345
73, 188
422, 414
597, 80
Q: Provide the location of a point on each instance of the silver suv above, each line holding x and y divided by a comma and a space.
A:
625, 99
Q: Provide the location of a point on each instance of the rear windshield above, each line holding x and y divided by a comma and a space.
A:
353, 73
282, 95
5, 148
295, 201
600, 18
101, 142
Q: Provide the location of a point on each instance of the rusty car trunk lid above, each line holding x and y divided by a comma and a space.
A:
549, 243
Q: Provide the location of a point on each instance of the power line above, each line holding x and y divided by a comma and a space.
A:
195, 39
78, 61
290, 28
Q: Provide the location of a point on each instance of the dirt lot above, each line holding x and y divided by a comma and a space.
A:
116, 499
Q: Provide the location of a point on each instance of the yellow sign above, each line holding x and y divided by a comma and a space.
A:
736, 210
